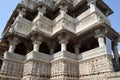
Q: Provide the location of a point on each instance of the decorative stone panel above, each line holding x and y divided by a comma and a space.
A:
42, 25
22, 26
96, 65
12, 68
63, 22
64, 69
36, 70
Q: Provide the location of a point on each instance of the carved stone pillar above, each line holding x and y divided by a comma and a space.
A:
36, 43
63, 41
51, 47
77, 48
52, 51
91, 3
63, 9
13, 42
115, 51
101, 37
41, 10
21, 12
101, 40
63, 45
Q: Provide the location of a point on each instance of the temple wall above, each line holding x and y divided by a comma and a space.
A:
12, 67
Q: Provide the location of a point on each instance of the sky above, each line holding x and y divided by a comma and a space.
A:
7, 7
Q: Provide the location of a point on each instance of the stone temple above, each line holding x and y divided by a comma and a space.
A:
60, 40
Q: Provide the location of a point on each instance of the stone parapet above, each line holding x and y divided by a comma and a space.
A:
36, 70
21, 26
11, 69
63, 21
38, 56
92, 53
64, 54
42, 24
64, 69
90, 19
13, 56
96, 65
102, 76
64, 66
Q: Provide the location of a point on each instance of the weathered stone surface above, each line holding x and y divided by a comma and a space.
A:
47, 43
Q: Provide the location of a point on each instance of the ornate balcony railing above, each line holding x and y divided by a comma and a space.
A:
92, 53
21, 26
63, 22
90, 19
43, 25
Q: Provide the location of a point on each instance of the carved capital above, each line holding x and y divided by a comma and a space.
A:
100, 32
36, 38
93, 2
63, 8
63, 41
13, 39
63, 36
116, 41
37, 42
